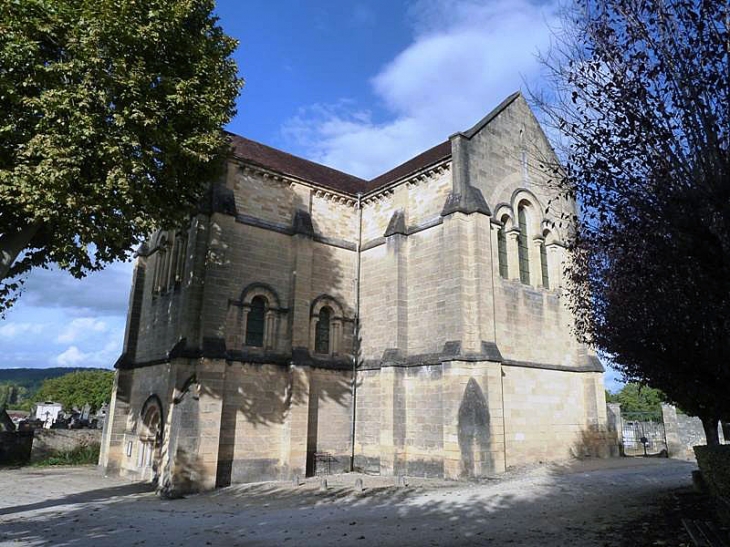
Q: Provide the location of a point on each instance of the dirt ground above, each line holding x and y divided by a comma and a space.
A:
601, 502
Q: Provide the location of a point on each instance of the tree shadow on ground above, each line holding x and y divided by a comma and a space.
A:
548, 506
97, 495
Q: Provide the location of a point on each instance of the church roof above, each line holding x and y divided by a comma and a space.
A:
321, 175
422, 160
288, 164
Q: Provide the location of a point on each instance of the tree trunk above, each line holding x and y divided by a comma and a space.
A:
11, 245
710, 427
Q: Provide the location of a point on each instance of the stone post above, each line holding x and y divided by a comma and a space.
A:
513, 254
296, 423
615, 424
211, 377
671, 430
535, 262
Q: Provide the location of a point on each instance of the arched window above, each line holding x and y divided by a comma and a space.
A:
178, 263
522, 249
322, 331
502, 249
544, 266
161, 261
255, 322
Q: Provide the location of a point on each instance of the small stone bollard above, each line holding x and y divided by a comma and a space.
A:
296, 481
359, 486
323, 485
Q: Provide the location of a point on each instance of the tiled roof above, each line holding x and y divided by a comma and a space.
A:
422, 160
287, 164
320, 175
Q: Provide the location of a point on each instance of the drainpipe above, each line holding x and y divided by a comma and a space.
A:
356, 340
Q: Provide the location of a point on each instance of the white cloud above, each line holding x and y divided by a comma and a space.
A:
465, 58
72, 357
105, 357
80, 328
14, 330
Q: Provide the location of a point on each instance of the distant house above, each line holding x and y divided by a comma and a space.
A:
48, 412
18, 415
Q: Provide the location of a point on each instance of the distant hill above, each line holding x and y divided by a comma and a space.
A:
32, 378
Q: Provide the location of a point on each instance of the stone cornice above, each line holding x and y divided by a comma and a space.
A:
413, 179
320, 191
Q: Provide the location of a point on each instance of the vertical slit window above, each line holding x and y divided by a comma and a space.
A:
322, 331
255, 322
522, 249
502, 252
544, 266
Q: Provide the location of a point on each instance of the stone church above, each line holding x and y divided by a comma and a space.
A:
310, 321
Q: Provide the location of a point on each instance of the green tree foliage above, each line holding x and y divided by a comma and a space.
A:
93, 387
11, 395
642, 95
634, 397
110, 126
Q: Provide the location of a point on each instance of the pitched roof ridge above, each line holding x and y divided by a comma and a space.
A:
294, 156
416, 163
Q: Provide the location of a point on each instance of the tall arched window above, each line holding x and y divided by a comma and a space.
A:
522, 249
322, 331
544, 266
255, 322
502, 249
161, 265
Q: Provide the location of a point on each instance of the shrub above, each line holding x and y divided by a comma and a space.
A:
80, 455
714, 462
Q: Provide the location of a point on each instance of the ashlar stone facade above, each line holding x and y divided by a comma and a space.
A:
309, 320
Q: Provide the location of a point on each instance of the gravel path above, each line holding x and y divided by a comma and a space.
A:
585, 503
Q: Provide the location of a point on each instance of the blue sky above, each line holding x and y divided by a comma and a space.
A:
360, 86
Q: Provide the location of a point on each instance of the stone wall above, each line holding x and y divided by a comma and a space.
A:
684, 432
461, 372
48, 441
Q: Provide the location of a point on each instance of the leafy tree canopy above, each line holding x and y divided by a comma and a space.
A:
111, 114
634, 397
642, 95
93, 387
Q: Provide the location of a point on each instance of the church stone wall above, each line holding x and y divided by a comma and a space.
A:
463, 372
264, 197
425, 303
132, 389
427, 195
547, 412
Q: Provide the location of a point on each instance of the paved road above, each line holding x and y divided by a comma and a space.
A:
582, 504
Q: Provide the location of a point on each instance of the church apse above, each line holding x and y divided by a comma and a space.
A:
294, 270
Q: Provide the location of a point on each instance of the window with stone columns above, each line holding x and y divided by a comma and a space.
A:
177, 269
255, 322
502, 248
322, 331
162, 259
522, 248
544, 266
326, 326
169, 266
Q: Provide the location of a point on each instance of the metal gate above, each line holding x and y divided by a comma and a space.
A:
643, 434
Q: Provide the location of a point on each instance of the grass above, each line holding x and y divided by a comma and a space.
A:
81, 455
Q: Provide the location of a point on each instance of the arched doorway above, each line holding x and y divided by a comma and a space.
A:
150, 438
